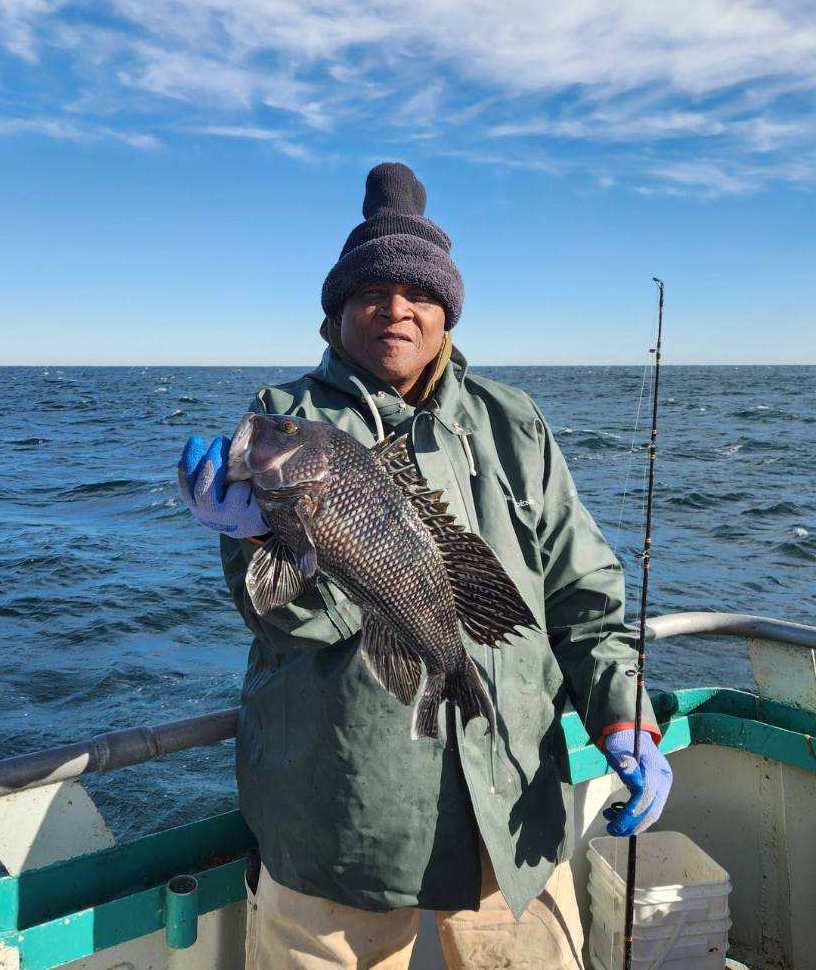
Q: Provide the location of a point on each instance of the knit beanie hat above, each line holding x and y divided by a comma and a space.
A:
395, 244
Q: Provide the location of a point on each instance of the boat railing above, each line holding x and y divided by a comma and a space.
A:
119, 749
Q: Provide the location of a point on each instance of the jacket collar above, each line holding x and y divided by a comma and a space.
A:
336, 372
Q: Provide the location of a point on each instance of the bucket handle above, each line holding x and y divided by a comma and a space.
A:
681, 923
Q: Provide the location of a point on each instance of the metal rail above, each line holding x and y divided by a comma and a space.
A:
730, 624
118, 749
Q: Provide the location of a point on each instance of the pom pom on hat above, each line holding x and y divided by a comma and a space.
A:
394, 186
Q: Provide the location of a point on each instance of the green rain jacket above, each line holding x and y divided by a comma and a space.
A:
343, 803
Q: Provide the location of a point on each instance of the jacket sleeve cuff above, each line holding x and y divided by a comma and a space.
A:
258, 540
652, 729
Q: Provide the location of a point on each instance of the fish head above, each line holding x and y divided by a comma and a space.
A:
279, 452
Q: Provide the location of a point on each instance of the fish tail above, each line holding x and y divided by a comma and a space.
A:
425, 713
466, 689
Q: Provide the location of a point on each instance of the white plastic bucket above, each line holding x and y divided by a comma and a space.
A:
681, 917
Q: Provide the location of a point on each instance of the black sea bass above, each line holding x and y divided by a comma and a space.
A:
370, 523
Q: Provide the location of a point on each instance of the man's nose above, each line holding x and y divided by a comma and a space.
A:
396, 306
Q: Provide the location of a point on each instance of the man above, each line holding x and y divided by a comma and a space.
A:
359, 826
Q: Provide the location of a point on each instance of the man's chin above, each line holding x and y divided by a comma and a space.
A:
392, 367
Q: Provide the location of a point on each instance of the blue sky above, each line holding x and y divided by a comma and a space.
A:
178, 177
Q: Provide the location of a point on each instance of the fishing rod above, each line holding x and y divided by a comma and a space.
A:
629, 910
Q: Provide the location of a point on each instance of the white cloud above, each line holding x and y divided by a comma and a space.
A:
206, 81
422, 108
63, 130
765, 135
280, 141
711, 178
18, 25
616, 126
135, 140
50, 127
530, 161
708, 176
447, 74
697, 47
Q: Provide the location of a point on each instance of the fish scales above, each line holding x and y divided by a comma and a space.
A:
367, 520
376, 548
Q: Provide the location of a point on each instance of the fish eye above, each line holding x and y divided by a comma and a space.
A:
288, 427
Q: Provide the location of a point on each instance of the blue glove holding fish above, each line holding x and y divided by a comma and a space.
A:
649, 780
231, 509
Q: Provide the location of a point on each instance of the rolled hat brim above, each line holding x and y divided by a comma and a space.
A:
396, 258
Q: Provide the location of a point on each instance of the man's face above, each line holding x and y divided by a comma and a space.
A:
393, 330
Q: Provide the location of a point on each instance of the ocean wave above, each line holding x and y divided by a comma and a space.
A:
592, 440
174, 417
797, 549
67, 566
704, 500
763, 444
188, 399
727, 531
67, 403
778, 508
53, 404
114, 486
28, 442
764, 412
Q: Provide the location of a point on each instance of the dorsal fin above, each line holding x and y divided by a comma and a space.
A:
488, 604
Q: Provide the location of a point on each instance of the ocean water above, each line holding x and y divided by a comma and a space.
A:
113, 611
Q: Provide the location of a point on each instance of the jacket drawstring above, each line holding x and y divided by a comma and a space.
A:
460, 432
371, 406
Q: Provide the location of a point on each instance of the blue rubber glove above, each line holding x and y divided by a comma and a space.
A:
649, 781
201, 483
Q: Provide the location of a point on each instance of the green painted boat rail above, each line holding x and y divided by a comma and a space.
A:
710, 715
71, 909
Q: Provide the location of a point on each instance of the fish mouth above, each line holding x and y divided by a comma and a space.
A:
238, 467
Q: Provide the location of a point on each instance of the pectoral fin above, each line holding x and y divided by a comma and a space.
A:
393, 664
273, 577
306, 552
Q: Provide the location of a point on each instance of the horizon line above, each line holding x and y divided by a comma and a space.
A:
255, 366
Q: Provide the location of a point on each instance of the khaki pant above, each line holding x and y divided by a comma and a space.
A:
287, 930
